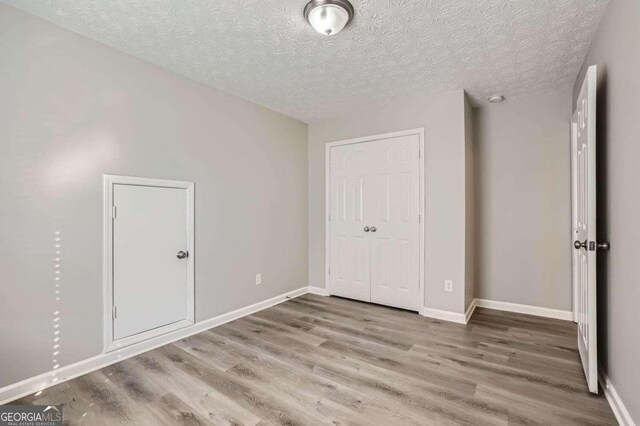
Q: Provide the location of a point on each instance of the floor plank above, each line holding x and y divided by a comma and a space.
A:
326, 360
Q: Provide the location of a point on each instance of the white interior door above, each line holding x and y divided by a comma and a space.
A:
349, 268
575, 255
394, 225
151, 264
374, 228
585, 242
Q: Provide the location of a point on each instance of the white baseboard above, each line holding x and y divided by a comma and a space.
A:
617, 406
443, 315
319, 291
450, 316
470, 310
525, 309
54, 377
493, 304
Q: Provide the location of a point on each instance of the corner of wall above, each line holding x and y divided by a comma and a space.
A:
470, 202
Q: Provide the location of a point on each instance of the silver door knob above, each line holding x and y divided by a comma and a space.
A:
182, 254
578, 245
373, 229
366, 229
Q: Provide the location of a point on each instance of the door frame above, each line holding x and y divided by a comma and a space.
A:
422, 199
109, 344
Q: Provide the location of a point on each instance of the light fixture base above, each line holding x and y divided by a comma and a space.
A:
316, 5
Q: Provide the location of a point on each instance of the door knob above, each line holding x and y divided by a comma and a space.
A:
182, 254
578, 245
603, 246
373, 229
366, 229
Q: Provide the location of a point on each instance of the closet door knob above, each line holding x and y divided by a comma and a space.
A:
373, 229
366, 229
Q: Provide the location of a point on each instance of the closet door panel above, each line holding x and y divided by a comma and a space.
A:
394, 172
349, 254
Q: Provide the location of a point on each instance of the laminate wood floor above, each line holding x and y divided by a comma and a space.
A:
325, 360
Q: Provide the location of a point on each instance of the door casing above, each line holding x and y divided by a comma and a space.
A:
422, 194
109, 344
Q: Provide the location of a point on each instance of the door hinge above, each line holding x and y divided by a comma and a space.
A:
329, 271
114, 312
329, 218
419, 154
419, 218
113, 212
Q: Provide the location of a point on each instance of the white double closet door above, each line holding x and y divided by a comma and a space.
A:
374, 222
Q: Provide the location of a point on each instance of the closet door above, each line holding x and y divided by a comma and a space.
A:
393, 173
349, 263
149, 258
150, 278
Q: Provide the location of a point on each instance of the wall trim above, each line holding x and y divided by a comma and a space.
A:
71, 371
525, 309
470, 310
443, 315
318, 291
617, 406
450, 316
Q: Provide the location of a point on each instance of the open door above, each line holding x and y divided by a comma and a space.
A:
584, 232
575, 256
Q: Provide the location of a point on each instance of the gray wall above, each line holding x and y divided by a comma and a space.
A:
470, 203
442, 117
73, 109
616, 52
523, 217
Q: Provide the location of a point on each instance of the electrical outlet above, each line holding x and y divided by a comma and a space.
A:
258, 279
448, 286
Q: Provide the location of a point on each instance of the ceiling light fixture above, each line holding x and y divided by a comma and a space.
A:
495, 99
328, 17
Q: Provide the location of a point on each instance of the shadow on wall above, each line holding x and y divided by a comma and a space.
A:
602, 206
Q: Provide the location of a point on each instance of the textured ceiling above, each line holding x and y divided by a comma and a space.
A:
264, 51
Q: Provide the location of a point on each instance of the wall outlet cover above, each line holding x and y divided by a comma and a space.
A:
258, 279
448, 286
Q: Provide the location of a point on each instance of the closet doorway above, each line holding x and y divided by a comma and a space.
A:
375, 219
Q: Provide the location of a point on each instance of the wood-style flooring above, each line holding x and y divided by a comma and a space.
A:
324, 360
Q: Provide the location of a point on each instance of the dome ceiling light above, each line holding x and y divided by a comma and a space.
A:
328, 17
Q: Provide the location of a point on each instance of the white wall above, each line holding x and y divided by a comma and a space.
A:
73, 109
442, 117
616, 52
523, 214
